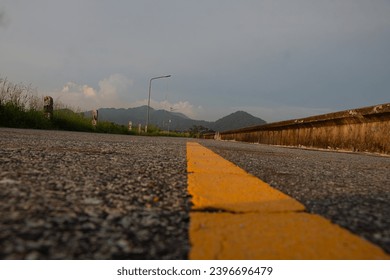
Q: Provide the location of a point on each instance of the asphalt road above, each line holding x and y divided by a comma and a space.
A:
350, 189
69, 195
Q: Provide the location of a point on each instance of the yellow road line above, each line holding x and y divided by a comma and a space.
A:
216, 183
259, 222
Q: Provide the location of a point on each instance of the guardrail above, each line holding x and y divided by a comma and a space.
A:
364, 129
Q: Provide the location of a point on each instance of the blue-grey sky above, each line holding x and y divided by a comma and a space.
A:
276, 59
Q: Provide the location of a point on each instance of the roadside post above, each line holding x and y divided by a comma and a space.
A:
95, 115
48, 107
130, 125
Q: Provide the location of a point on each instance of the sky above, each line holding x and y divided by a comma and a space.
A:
275, 59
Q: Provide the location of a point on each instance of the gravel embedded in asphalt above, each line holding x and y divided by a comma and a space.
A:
70, 195
350, 189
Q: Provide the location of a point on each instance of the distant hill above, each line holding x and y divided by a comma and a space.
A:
237, 120
174, 121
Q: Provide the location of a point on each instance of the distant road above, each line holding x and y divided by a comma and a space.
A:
70, 195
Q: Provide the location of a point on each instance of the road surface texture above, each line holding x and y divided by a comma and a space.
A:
71, 195
350, 189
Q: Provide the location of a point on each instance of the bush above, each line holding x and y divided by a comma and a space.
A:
66, 119
109, 127
13, 116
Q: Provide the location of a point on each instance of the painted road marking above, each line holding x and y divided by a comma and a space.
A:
251, 220
213, 182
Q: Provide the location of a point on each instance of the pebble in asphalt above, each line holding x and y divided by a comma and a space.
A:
352, 190
69, 195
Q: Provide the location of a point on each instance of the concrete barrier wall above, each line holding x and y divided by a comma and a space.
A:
365, 129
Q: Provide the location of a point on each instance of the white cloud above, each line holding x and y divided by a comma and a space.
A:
114, 91
89, 91
73, 88
85, 97
69, 87
112, 87
183, 107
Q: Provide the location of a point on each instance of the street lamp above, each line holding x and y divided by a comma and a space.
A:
150, 89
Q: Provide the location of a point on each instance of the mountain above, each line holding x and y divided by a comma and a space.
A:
237, 120
173, 120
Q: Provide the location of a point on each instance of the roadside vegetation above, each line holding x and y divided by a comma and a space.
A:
22, 107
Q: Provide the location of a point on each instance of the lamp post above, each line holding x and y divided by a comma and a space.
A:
150, 89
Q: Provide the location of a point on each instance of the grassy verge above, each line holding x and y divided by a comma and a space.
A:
20, 107
12, 116
63, 119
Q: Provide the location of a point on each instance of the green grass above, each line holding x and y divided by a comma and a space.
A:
20, 107
66, 119
12, 116
63, 119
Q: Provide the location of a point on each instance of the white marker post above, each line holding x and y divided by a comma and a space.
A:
48, 107
95, 115
130, 125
